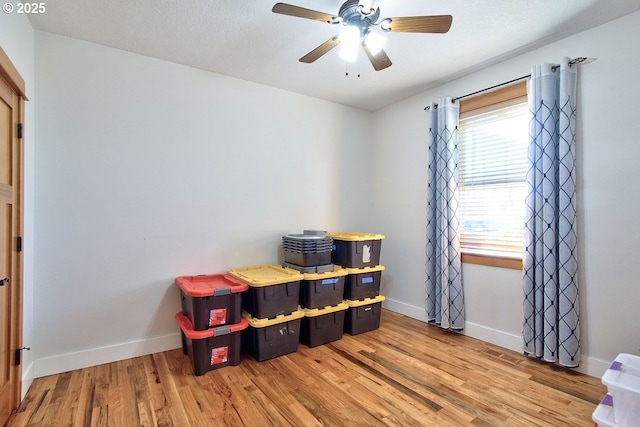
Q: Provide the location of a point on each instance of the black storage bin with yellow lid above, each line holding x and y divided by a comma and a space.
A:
322, 325
213, 348
211, 300
363, 282
363, 315
318, 290
273, 290
356, 250
269, 338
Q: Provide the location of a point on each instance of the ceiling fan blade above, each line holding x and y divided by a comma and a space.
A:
321, 50
418, 24
380, 61
301, 12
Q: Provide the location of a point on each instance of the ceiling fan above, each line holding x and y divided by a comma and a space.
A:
359, 18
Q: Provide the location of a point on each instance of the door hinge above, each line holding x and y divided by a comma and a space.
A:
19, 130
19, 244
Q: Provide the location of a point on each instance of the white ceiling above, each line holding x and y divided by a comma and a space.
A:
244, 39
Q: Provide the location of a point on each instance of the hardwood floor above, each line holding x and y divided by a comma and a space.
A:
406, 373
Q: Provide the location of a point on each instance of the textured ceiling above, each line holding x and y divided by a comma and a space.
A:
244, 39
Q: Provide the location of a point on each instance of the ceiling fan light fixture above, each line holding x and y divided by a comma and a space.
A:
375, 42
350, 35
350, 42
349, 53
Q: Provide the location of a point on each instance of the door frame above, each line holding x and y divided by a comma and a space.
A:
10, 75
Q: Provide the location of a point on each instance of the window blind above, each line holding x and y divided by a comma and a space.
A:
492, 166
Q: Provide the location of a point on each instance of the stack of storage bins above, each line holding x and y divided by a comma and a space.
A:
359, 254
210, 321
322, 286
321, 299
271, 307
309, 252
621, 405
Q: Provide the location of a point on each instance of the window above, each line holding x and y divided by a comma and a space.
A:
492, 167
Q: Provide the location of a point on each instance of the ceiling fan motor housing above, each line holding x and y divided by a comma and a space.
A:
351, 14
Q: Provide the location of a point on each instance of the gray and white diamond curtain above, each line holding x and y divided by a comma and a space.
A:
445, 299
551, 316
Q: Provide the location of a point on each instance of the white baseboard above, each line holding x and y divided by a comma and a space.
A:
588, 365
592, 366
97, 356
493, 336
27, 378
409, 310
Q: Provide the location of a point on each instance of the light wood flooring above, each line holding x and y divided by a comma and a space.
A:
406, 373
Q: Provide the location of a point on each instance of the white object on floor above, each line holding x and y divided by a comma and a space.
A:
623, 382
603, 415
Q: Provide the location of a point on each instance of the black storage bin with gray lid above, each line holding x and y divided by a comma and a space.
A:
307, 250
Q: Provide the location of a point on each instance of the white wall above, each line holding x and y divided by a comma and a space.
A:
17, 40
145, 170
148, 170
608, 205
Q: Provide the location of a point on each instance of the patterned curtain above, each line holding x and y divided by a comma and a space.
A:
551, 316
444, 301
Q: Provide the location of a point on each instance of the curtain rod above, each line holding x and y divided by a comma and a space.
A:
579, 60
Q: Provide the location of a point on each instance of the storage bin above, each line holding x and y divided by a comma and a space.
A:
308, 249
363, 282
309, 239
623, 383
603, 415
356, 250
320, 233
327, 247
213, 348
307, 259
310, 269
211, 300
363, 315
273, 290
318, 290
269, 338
322, 325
